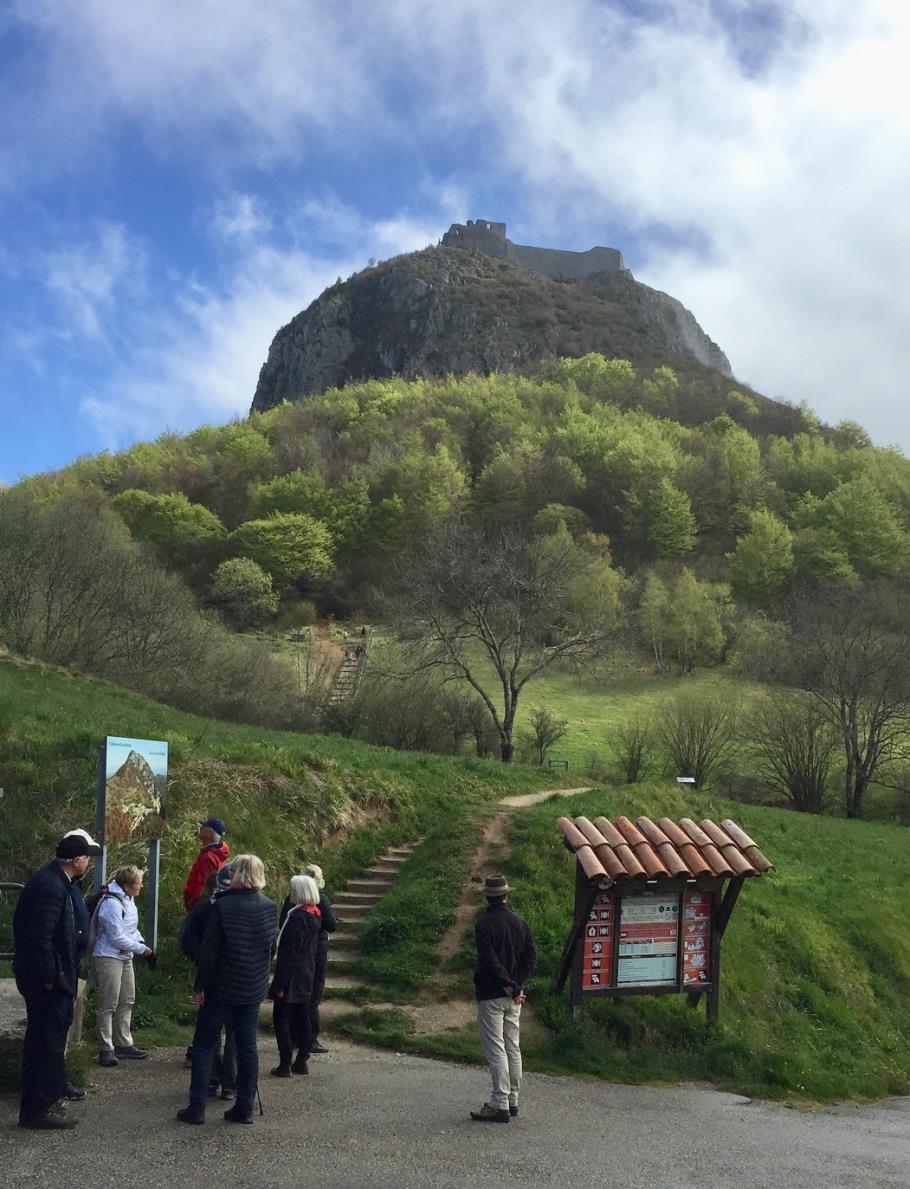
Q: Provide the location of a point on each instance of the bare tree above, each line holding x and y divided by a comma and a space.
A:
850, 649
631, 745
502, 605
794, 744
545, 730
697, 732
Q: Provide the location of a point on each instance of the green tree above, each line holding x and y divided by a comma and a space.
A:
175, 528
243, 593
653, 612
672, 530
762, 563
292, 547
300, 491
695, 620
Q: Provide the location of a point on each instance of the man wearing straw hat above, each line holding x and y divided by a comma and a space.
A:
505, 960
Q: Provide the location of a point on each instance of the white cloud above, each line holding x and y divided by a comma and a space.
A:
87, 280
240, 216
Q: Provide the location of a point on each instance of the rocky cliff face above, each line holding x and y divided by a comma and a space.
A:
446, 310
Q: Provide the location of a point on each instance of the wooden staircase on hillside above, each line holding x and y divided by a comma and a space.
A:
349, 672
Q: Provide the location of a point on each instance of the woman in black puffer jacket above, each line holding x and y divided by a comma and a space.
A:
295, 974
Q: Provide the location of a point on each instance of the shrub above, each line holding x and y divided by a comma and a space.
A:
697, 733
243, 592
632, 747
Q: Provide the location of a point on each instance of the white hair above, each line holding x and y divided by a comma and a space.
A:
304, 890
316, 871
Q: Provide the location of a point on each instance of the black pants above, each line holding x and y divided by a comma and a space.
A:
50, 1014
292, 1028
322, 957
241, 1019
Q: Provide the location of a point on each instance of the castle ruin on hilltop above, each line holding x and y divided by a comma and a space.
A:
480, 235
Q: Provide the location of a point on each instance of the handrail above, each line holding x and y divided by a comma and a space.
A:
9, 887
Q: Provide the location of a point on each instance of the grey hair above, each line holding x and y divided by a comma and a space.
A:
127, 875
304, 890
247, 871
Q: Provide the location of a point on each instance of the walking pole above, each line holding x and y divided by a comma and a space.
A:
259, 1097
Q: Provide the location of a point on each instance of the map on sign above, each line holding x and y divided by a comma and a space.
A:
648, 939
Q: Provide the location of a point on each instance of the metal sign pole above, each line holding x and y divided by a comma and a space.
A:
151, 906
101, 860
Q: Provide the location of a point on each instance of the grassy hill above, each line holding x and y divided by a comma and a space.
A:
816, 963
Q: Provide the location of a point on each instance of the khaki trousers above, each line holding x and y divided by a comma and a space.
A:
116, 996
498, 1020
74, 1036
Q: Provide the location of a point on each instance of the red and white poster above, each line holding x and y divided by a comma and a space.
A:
696, 937
597, 951
648, 939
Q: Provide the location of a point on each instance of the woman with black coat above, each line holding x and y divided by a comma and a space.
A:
295, 973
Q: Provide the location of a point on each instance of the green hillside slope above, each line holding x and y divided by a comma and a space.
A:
816, 963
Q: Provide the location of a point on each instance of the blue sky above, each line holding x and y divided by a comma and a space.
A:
178, 180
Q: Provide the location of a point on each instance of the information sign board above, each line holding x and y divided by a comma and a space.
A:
696, 937
597, 953
648, 939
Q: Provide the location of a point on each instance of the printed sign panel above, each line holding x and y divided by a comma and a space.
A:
696, 937
135, 781
597, 951
648, 939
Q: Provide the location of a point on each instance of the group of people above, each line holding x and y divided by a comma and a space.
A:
231, 934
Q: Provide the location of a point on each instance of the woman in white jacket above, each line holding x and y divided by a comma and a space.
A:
115, 931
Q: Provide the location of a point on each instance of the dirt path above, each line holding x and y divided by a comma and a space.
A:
453, 1014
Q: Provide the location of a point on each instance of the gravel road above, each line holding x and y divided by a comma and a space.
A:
366, 1118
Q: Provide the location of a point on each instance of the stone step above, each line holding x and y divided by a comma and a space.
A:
353, 914
345, 940
378, 885
385, 867
400, 850
358, 897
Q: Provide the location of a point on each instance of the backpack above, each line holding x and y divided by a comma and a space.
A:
92, 902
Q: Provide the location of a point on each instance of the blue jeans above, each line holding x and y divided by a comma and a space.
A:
242, 1019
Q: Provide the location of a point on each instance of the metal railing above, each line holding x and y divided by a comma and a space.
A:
7, 956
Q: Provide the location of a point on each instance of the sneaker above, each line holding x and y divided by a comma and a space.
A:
107, 1059
316, 1047
73, 1093
227, 1095
132, 1053
489, 1114
513, 1109
46, 1122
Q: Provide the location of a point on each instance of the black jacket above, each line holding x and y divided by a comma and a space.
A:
505, 952
295, 968
237, 947
192, 931
44, 933
329, 923
81, 924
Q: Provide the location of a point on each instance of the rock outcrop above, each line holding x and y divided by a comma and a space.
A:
446, 310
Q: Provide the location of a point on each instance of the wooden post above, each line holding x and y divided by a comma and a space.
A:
584, 902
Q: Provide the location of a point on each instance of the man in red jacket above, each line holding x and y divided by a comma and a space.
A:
212, 857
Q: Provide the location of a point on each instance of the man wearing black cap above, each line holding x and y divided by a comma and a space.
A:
46, 968
212, 857
505, 959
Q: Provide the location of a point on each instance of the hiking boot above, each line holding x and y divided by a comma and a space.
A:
300, 1064
194, 1113
282, 1070
132, 1053
106, 1059
227, 1095
240, 1112
513, 1109
45, 1121
73, 1093
316, 1047
489, 1114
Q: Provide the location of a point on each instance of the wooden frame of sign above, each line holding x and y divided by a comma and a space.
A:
658, 938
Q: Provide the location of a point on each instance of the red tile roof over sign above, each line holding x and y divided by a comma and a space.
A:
645, 850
